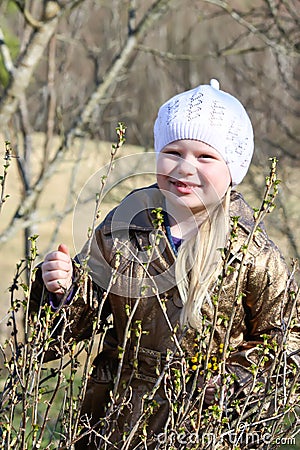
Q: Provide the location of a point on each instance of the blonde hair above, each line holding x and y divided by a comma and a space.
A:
199, 262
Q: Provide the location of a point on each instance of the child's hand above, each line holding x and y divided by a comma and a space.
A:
57, 270
211, 388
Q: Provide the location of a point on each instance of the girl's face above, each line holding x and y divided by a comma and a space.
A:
190, 173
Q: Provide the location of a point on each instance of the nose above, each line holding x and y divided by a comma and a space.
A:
186, 167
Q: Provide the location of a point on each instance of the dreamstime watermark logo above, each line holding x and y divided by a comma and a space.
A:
132, 215
243, 436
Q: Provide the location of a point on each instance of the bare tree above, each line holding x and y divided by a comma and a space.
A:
14, 100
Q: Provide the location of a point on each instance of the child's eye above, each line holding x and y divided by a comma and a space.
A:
206, 156
172, 153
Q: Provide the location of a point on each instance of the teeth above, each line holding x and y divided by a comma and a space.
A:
180, 183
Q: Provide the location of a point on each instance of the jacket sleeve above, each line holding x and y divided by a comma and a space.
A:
72, 320
272, 315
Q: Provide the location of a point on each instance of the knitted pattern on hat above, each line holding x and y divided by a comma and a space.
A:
212, 116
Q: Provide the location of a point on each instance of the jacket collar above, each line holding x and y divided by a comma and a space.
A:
137, 212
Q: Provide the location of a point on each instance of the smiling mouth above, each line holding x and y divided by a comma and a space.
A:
183, 184
183, 187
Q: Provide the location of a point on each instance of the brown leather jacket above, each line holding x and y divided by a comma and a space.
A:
145, 294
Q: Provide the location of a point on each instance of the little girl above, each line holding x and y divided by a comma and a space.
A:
156, 270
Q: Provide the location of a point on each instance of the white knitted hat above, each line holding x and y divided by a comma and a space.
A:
212, 116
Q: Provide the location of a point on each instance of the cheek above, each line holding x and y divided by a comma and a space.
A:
223, 187
160, 181
225, 179
219, 181
165, 166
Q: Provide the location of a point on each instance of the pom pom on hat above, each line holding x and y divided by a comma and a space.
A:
212, 116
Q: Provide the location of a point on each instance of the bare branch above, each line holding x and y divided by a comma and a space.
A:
51, 98
34, 23
279, 47
22, 75
188, 57
157, 10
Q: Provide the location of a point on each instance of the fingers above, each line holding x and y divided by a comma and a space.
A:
64, 249
57, 270
211, 388
61, 254
215, 381
209, 396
